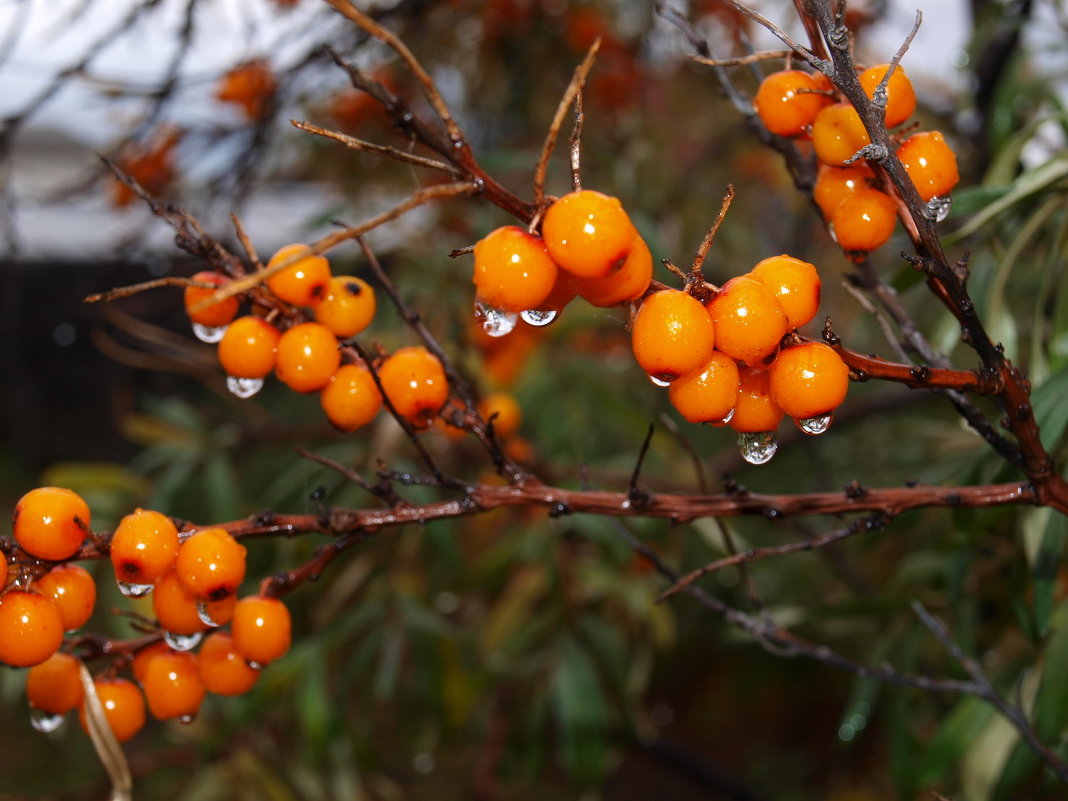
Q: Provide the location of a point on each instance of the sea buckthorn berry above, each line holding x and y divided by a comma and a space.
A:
249, 86
754, 410
795, 284
31, 629
351, 399
143, 547
139, 663
930, 163
513, 270
51, 522
562, 293
506, 407
211, 564
223, 668
808, 380
347, 307
415, 383
124, 707
627, 283
247, 349
838, 133
215, 314
864, 221
587, 233
303, 282
672, 334
788, 101
175, 607
55, 685
749, 319
72, 590
261, 629
307, 357
172, 686
835, 184
708, 394
900, 96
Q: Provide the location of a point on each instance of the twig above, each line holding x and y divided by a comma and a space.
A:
710, 237
737, 61
371, 147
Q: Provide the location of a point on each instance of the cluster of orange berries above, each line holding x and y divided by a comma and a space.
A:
861, 216
722, 359
194, 583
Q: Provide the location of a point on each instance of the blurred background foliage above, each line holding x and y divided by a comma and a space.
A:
513, 656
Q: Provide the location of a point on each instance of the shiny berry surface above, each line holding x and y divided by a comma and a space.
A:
835, 184
865, 220
795, 284
754, 410
351, 398
900, 96
261, 629
672, 334
223, 668
307, 357
55, 685
144, 546
930, 163
72, 590
172, 686
787, 102
175, 607
513, 270
302, 283
124, 707
211, 564
749, 319
31, 629
347, 307
627, 283
247, 349
415, 383
215, 314
838, 133
808, 380
139, 663
50, 522
708, 394
588, 233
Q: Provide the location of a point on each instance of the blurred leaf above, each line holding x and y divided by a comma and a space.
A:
513, 610
1044, 569
579, 708
943, 752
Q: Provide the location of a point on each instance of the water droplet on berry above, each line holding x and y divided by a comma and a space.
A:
182, 642
495, 322
45, 722
539, 317
254, 665
759, 447
185, 720
204, 615
243, 387
830, 230
208, 333
727, 419
939, 206
659, 382
815, 425
131, 590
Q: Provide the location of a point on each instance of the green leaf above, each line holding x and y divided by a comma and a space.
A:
1046, 563
581, 713
943, 752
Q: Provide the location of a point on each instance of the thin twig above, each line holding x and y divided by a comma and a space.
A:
371, 147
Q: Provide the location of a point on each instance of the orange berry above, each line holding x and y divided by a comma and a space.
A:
31, 629
788, 101
50, 522
261, 629
223, 668
900, 96
627, 283
139, 663
808, 380
175, 607
754, 410
303, 282
3, 570
247, 349
215, 314
347, 307
749, 319
124, 707
172, 686
708, 394
562, 293
415, 383
835, 184
143, 547
351, 398
838, 133
211, 564
72, 590
513, 270
307, 357
587, 233
55, 685
672, 334
506, 407
930, 163
249, 86
864, 221
795, 284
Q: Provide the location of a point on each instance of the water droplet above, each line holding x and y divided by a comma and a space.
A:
539, 317
205, 615
208, 333
758, 448
134, 590
495, 322
830, 230
243, 387
254, 665
185, 720
659, 382
938, 207
725, 420
182, 642
815, 425
45, 722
